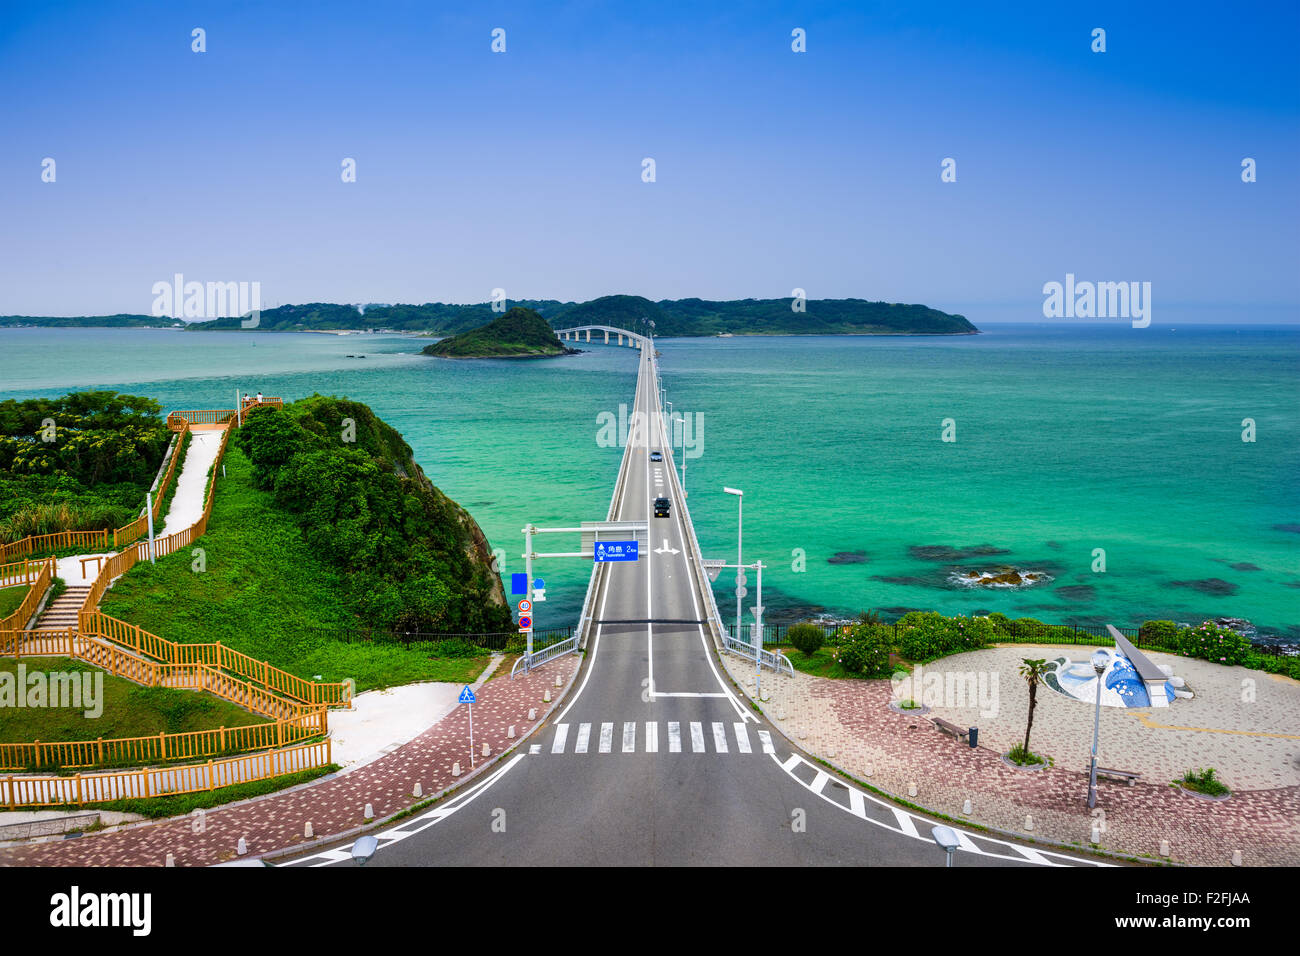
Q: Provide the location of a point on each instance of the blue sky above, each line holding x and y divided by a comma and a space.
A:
775, 170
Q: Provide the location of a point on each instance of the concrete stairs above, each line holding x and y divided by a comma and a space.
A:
61, 613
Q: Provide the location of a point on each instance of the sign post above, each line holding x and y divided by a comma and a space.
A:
467, 697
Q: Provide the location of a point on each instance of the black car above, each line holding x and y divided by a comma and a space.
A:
661, 507
656, 456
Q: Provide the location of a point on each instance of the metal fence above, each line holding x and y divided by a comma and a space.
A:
1015, 632
435, 642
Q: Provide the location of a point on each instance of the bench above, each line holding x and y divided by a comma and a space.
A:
959, 732
1124, 776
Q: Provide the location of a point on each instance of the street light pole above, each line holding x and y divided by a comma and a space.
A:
528, 585
740, 560
1099, 662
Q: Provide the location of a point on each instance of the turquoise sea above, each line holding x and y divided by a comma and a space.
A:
1069, 438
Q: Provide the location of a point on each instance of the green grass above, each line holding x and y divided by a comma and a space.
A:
1204, 781
129, 710
11, 598
262, 586
821, 664
1019, 755
158, 807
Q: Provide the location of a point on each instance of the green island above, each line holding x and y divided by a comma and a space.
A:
672, 317
520, 333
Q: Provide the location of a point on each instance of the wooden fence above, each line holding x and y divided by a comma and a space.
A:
37, 575
104, 786
140, 526
217, 416
160, 748
36, 543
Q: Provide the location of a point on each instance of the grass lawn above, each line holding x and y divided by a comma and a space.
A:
10, 598
262, 586
129, 710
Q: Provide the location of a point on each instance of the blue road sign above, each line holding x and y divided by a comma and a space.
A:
539, 584
466, 696
519, 583
615, 551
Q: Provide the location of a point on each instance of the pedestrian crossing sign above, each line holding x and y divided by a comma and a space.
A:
466, 696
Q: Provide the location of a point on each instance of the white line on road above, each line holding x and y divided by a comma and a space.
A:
606, 737
584, 734
719, 737
742, 737
561, 735
765, 737
652, 736
629, 736
674, 737
697, 737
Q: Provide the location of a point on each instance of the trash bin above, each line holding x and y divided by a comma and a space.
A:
974, 736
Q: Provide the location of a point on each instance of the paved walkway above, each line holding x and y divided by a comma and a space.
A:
333, 805
186, 506
1252, 743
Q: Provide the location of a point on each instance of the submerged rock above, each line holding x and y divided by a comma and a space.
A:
848, 557
1215, 586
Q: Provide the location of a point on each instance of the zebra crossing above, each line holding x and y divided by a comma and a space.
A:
630, 737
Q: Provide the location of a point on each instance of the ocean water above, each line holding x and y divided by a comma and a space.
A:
1069, 439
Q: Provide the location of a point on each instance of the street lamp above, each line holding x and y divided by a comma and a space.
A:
364, 849
1099, 661
947, 839
740, 574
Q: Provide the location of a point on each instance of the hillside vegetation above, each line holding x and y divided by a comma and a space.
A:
520, 333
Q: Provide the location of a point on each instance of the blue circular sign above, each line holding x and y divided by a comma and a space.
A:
539, 584
525, 622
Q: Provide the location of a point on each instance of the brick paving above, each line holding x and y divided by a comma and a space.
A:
334, 805
849, 724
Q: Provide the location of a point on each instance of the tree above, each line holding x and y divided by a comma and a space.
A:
1032, 671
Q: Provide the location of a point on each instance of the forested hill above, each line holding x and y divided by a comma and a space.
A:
672, 317
520, 333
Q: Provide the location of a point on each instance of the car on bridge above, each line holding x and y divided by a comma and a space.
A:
656, 456
661, 507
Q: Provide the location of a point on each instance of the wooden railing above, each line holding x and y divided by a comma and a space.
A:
37, 575
101, 787
140, 526
218, 416
193, 745
36, 543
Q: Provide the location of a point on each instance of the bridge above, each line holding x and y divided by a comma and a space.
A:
655, 759
621, 336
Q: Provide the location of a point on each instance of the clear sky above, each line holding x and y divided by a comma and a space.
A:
775, 169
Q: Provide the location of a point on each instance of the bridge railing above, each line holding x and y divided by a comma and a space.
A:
773, 660
546, 654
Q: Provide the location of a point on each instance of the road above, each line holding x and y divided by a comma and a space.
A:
653, 760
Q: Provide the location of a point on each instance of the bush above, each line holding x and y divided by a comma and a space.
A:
1204, 781
806, 638
925, 635
1158, 633
865, 649
1210, 642
1273, 664
1019, 755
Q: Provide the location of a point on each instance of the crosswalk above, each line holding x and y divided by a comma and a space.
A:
631, 737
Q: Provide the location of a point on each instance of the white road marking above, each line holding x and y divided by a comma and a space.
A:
674, 737
561, 736
652, 736
697, 737
629, 736
719, 737
765, 737
534, 749
686, 694
791, 761
905, 823
584, 734
606, 737
742, 737
857, 806
819, 782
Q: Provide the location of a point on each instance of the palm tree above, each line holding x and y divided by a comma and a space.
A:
1032, 671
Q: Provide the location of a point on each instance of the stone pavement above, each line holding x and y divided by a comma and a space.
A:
332, 805
1253, 741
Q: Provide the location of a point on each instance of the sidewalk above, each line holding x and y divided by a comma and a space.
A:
848, 724
333, 805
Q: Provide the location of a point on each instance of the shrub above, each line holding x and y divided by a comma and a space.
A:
1273, 664
1019, 755
806, 638
1210, 642
1204, 781
925, 635
1158, 633
865, 650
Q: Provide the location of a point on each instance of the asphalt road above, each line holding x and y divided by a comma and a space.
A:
686, 775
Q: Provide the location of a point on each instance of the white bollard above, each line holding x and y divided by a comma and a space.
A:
911, 789
370, 812
171, 860
965, 807
242, 847
557, 681
1164, 848
418, 789
1094, 836
307, 831
511, 732
1029, 823
1236, 858
867, 770
487, 751
546, 698
455, 769
532, 713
